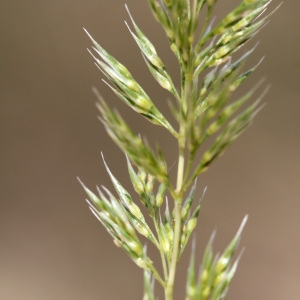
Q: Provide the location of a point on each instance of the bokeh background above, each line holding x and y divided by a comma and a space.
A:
51, 247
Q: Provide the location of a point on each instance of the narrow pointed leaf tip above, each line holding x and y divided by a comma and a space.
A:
216, 272
127, 88
131, 144
145, 45
153, 61
114, 218
132, 211
227, 255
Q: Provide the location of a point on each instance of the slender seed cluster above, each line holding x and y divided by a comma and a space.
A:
216, 273
202, 109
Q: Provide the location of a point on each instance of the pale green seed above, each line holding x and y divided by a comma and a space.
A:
142, 230
240, 24
219, 279
133, 85
135, 210
166, 246
205, 292
222, 264
207, 157
159, 200
204, 276
143, 103
222, 52
191, 225
140, 262
135, 247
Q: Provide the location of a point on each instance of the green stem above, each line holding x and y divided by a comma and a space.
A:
187, 91
177, 230
156, 274
170, 283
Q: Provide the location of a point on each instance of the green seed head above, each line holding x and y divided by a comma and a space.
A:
202, 108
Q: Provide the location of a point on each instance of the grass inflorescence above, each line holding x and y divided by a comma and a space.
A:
203, 110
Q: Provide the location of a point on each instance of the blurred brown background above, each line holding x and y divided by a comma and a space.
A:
51, 247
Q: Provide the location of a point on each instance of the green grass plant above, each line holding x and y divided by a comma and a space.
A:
204, 109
